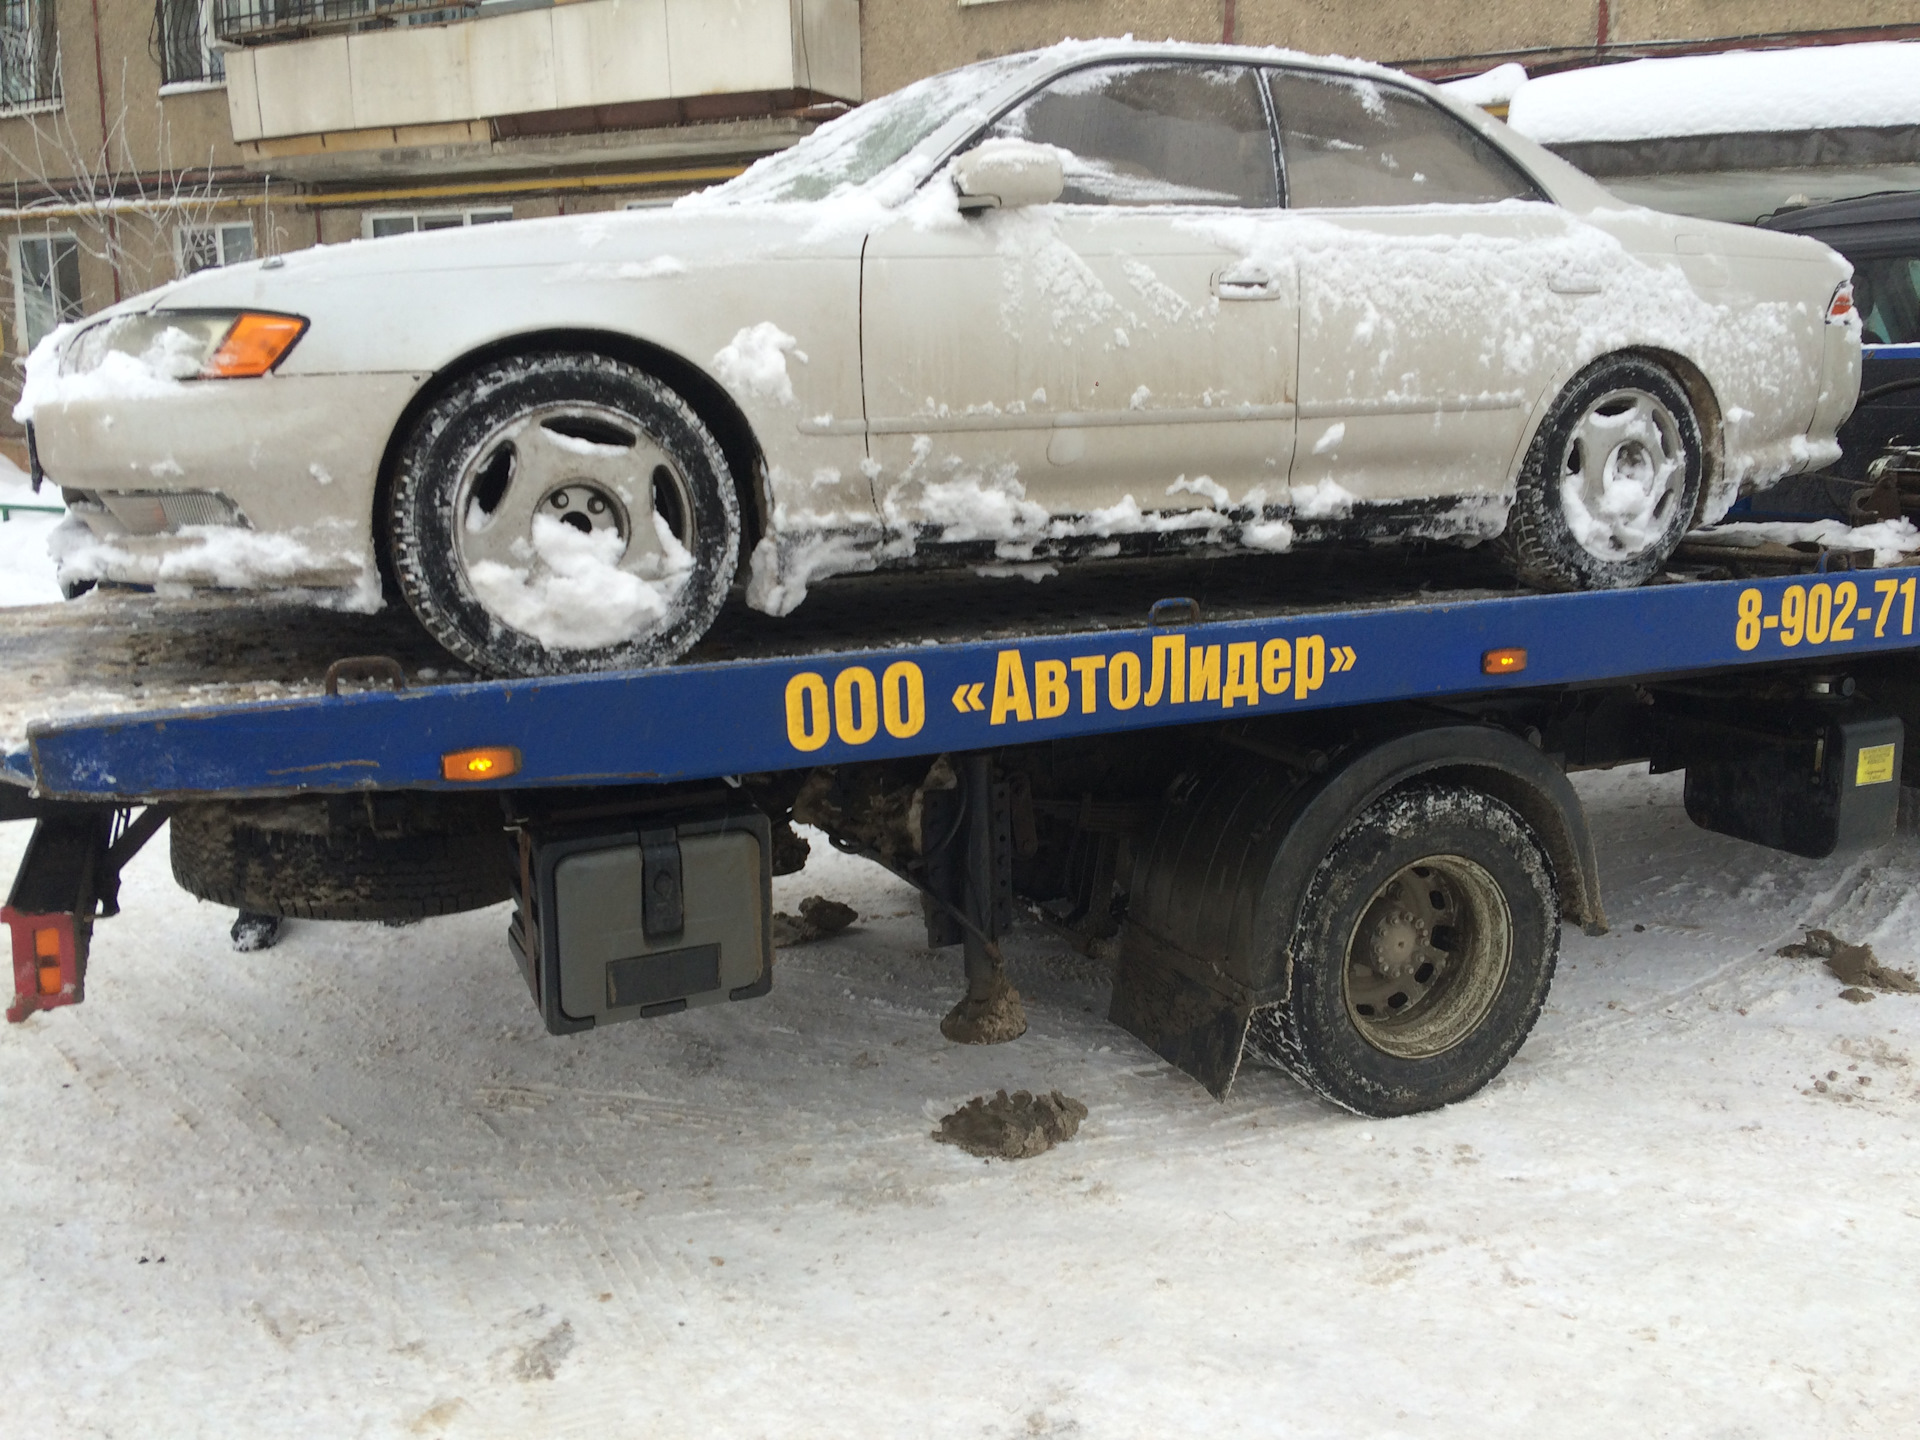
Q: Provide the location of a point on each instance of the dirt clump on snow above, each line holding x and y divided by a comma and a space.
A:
1855, 966
1015, 1127
819, 917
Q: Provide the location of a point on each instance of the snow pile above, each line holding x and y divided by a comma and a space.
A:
570, 592
26, 569
228, 557
754, 362
1815, 88
1497, 86
1325, 499
1892, 541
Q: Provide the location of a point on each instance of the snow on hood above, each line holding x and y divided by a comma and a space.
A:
1815, 88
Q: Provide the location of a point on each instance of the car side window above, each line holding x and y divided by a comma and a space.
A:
1887, 293
1348, 141
1154, 134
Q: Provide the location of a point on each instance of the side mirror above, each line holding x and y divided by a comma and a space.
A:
1001, 174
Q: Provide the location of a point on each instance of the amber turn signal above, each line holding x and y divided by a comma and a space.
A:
254, 345
1503, 662
489, 762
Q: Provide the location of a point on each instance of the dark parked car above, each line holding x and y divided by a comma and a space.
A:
1880, 463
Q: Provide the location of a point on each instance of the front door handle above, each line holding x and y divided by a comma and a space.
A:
1246, 282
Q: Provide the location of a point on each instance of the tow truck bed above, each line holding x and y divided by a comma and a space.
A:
133, 697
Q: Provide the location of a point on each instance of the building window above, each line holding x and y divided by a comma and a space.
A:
29, 56
202, 247
187, 55
405, 222
46, 284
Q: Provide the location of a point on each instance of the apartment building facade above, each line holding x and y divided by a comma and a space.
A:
143, 139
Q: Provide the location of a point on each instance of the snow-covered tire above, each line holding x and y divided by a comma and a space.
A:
1448, 1005
1611, 482
265, 861
563, 512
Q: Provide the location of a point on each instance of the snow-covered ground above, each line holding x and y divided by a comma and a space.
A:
349, 1187
26, 571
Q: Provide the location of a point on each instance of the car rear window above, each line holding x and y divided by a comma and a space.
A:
1349, 141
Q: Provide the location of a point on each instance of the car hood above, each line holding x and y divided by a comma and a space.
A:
613, 245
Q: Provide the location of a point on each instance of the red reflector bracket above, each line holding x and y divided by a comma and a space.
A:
49, 962
488, 762
1510, 661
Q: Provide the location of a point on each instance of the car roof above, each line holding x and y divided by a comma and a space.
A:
1868, 222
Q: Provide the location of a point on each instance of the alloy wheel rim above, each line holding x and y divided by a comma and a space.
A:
1621, 473
587, 467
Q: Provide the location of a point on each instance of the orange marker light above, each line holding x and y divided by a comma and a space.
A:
489, 762
1503, 662
254, 345
46, 944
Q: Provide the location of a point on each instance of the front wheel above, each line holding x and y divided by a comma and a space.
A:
1611, 482
563, 512
1423, 953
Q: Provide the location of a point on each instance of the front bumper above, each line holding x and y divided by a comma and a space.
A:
248, 484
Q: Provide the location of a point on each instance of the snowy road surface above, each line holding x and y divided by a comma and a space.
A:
348, 1187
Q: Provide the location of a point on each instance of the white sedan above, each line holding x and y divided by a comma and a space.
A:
1106, 298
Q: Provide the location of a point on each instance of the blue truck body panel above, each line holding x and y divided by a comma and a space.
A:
699, 721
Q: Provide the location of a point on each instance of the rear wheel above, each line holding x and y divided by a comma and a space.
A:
1426, 944
1611, 482
563, 512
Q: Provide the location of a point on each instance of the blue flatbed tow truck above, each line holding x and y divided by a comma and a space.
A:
1313, 808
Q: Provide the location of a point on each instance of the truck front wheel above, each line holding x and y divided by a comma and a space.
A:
1426, 944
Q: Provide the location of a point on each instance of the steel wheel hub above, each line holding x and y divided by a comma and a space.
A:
1428, 957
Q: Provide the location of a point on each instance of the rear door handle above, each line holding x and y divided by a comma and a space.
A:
1246, 282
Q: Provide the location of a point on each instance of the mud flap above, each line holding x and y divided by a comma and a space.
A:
1191, 1026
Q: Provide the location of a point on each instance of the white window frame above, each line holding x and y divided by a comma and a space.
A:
452, 219
14, 246
225, 246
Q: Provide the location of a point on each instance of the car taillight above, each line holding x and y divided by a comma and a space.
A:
1840, 308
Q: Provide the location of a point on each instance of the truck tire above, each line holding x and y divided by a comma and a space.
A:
563, 512
1611, 482
1425, 945
249, 858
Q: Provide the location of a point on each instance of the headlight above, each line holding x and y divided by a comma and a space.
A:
188, 344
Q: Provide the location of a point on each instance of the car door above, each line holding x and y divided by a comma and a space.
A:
1420, 294
1111, 352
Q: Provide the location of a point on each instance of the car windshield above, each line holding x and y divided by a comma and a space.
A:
857, 146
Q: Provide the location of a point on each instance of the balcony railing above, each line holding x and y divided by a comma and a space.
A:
253, 22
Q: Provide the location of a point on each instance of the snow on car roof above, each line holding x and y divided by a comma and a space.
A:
1814, 88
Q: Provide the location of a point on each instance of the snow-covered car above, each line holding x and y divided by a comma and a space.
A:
1102, 298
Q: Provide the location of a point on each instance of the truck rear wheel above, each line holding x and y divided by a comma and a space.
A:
296, 860
1426, 944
